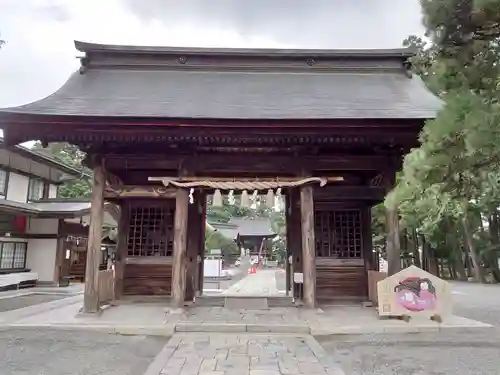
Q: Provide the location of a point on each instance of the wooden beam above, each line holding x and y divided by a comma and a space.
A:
332, 192
91, 296
179, 266
228, 162
308, 245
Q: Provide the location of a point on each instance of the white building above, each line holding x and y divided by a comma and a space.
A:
38, 231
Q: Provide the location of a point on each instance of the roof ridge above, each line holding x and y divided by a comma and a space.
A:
267, 52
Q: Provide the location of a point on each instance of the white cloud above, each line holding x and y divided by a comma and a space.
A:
39, 55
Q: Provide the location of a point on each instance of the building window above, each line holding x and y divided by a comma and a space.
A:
4, 181
13, 255
35, 189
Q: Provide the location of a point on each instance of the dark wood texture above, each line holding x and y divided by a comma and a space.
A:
91, 295
308, 245
77, 271
335, 280
150, 230
338, 233
179, 266
238, 161
366, 227
148, 278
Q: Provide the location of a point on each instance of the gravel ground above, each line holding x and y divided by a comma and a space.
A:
57, 352
467, 352
14, 303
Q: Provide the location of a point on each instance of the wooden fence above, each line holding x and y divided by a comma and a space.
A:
106, 286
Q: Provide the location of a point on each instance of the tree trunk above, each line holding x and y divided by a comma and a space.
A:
415, 250
478, 270
493, 229
460, 267
430, 262
451, 269
393, 242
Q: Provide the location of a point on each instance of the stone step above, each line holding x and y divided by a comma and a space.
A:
210, 301
246, 303
222, 327
253, 303
280, 302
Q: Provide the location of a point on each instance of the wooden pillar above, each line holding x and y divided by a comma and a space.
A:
193, 244
91, 296
295, 237
180, 248
59, 270
366, 235
203, 224
288, 268
121, 248
308, 245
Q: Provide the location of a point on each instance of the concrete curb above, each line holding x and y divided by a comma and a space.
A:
163, 330
332, 366
156, 366
186, 327
15, 315
374, 330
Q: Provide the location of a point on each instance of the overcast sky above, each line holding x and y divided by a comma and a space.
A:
39, 54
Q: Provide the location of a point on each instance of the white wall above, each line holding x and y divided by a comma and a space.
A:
52, 191
42, 226
17, 190
41, 258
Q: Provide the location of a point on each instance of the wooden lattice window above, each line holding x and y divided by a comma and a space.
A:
338, 234
151, 231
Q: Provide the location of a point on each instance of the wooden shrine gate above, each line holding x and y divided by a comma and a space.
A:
225, 115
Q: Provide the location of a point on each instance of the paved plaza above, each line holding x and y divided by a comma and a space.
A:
262, 283
208, 340
250, 354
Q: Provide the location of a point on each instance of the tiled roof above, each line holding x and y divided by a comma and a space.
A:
55, 208
190, 83
253, 227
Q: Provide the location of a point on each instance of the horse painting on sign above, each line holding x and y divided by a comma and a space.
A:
414, 292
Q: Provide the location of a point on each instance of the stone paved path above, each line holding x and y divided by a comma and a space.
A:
243, 354
262, 283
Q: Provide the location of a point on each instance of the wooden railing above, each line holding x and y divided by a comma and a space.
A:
106, 286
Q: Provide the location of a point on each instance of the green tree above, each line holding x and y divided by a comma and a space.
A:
448, 192
72, 156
